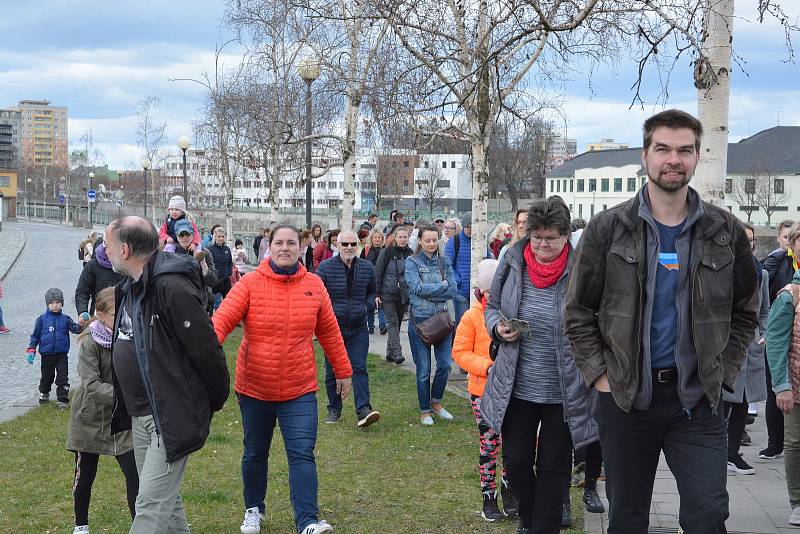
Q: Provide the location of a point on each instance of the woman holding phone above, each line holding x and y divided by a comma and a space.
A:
535, 396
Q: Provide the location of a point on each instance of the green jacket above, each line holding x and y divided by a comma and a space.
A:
779, 338
90, 417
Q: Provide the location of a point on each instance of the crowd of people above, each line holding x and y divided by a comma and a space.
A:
650, 330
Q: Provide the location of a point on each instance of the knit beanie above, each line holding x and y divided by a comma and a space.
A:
54, 295
486, 270
466, 219
177, 202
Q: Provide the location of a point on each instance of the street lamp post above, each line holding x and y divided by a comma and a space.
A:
27, 195
145, 165
89, 201
308, 68
183, 144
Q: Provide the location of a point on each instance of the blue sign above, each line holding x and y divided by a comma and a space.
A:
91, 194
61, 199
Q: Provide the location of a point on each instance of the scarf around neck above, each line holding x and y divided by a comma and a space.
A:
101, 256
101, 334
288, 271
545, 274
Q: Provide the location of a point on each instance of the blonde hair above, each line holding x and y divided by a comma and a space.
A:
373, 234
104, 301
500, 231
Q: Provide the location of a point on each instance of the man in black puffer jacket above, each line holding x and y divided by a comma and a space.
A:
350, 282
96, 276
169, 369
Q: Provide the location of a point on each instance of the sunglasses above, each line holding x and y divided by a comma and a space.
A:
345, 244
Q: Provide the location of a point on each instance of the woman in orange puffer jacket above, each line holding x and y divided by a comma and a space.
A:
282, 306
471, 352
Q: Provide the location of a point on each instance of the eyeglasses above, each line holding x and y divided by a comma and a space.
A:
536, 240
344, 244
449, 227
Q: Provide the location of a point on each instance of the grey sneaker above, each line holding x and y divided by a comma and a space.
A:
62, 405
252, 521
794, 517
44, 398
333, 417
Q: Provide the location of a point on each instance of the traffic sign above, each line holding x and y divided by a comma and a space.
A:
61, 199
91, 194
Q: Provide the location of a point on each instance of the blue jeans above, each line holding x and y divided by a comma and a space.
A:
3, 324
371, 316
357, 343
421, 352
461, 305
298, 422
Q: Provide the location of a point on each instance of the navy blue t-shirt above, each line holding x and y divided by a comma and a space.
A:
664, 323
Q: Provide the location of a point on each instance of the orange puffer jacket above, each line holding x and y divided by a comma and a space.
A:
281, 313
471, 348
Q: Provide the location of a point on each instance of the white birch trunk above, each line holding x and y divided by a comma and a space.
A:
274, 195
348, 186
480, 205
713, 94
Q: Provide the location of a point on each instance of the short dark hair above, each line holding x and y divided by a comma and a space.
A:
282, 226
429, 228
749, 226
550, 212
371, 215
140, 235
674, 119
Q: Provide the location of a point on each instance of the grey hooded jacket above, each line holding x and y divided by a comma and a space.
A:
505, 295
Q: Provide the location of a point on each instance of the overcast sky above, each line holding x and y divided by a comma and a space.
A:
101, 58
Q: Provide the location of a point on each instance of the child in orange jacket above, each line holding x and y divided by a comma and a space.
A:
471, 352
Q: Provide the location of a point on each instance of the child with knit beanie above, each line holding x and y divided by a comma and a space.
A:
471, 348
51, 336
177, 212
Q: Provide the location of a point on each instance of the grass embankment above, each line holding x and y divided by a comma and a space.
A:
395, 477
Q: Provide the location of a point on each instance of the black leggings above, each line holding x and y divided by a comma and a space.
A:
736, 413
592, 455
86, 470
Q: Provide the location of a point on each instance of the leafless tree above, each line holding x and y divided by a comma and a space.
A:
519, 154
743, 190
429, 187
770, 191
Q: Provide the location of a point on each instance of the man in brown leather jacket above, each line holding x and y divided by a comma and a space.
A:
660, 307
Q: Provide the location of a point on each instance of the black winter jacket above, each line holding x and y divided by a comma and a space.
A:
349, 294
181, 362
390, 273
780, 269
223, 260
94, 278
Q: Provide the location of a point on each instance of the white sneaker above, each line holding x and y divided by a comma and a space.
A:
444, 414
317, 528
752, 409
83, 529
252, 521
426, 420
794, 517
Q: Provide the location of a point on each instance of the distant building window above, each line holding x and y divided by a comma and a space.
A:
425, 164
592, 188
779, 186
552, 186
631, 184
579, 189
405, 164
750, 186
571, 186
728, 185
442, 183
452, 164
617, 185
565, 185
558, 186
644, 178
444, 164
604, 185
780, 208
5, 181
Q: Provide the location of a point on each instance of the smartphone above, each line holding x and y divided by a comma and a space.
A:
516, 325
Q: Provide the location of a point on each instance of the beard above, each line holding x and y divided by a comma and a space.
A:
669, 186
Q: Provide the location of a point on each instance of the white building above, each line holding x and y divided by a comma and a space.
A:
445, 180
767, 163
562, 149
605, 144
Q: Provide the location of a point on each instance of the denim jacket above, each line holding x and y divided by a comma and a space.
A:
429, 295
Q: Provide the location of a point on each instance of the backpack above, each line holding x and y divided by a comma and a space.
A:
81, 248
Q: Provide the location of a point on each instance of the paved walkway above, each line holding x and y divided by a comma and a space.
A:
12, 242
758, 503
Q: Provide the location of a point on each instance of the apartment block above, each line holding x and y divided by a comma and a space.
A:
42, 133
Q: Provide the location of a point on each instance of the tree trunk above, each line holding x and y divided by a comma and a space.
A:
480, 194
348, 187
712, 80
274, 188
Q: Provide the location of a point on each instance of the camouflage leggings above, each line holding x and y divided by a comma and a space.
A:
489, 450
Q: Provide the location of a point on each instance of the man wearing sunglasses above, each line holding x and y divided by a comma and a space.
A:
350, 282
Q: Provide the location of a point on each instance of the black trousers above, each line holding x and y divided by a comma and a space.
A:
773, 415
85, 472
539, 492
736, 414
54, 366
695, 448
592, 457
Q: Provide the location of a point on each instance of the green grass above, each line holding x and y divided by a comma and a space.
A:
395, 477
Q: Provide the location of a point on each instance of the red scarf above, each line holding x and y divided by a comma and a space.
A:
546, 274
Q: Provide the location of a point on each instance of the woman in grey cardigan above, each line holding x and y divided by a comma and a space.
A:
751, 384
534, 394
